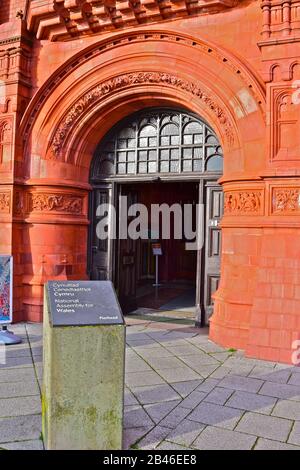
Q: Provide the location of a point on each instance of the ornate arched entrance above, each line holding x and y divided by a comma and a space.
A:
165, 147
94, 90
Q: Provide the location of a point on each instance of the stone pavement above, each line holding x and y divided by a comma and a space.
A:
182, 392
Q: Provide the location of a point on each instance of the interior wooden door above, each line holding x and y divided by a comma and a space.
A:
127, 261
101, 250
212, 247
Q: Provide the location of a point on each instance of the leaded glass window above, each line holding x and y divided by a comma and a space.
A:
159, 141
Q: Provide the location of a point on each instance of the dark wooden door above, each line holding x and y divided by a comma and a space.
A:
126, 260
213, 197
101, 250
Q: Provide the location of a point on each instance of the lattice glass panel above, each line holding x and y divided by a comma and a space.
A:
159, 141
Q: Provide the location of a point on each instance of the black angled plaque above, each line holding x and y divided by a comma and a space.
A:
82, 303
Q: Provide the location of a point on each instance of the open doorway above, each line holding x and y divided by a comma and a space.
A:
177, 267
157, 156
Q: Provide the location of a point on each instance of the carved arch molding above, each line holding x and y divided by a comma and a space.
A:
59, 135
93, 96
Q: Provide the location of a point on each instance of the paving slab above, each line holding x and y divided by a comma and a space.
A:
252, 402
285, 391
132, 435
205, 370
216, 415
180, 374
185, 388
142, 344
23, 445
294, 379
209, 347
19, 389
294, 437
13, 351
213, 438
135, 379
193, 399
175, 417
17, 375
153, 438
136, 336
129, 398
201, 359
20, 428
218, 395
158, 351
135, 416
19, 406
165, 362
158, 411
236, 382
136, 364
222, 356
16, 362
267, 444
154, 394
271, 375
184, 350
165, 445
186, 432
287, 409
269, 427
208, 385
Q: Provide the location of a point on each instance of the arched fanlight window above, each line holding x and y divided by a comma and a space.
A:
159, 141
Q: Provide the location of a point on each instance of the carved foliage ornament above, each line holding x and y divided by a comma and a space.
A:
5, 202
122, 81
45, 91
286, 200
56, 203
243, 202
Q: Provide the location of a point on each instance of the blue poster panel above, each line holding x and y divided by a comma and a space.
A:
5, 289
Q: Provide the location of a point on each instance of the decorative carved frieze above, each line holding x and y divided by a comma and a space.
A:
5, 202
243, 202
132, 79
286, 201
281, 19
15, 63
205, 48
64, 203
62, 19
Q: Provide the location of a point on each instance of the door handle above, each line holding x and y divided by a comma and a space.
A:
213, 223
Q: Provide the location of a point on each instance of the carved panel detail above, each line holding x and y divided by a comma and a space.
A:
286, 201
64, 203
6, 138
5, 202
122, 81
243, 202
285, 128
18, 203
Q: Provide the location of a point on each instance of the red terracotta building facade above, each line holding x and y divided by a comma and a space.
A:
70, 70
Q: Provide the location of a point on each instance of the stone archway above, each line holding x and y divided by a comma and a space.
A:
93, 91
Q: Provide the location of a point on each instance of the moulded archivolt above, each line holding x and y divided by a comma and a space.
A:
130, 80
